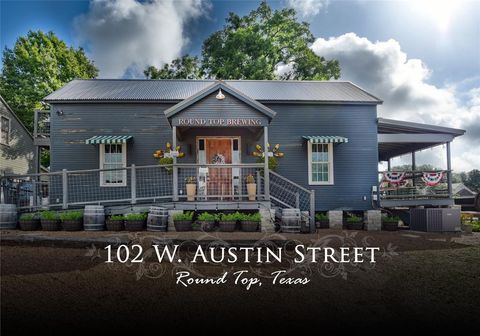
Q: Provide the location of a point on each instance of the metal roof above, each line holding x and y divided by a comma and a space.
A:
101, 90
398, 126
108, 139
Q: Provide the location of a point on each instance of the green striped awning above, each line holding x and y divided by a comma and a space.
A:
325, 138
108, 139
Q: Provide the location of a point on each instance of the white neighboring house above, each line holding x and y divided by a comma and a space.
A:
16, 143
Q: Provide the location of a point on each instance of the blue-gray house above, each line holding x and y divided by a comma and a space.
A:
107, 137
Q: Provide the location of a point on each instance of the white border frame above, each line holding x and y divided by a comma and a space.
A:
124, 163
330, 165
9, 130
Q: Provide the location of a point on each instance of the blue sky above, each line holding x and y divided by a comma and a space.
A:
422, 57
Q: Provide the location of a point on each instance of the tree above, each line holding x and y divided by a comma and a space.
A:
38, 64
186, 67
473, 180
255, 46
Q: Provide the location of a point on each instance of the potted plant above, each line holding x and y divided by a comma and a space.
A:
183, 221
250, 222
135, 221
228, 222
251, 187
354, 222
49, 221
115, 223
321, 221
29, 221
390, 223
206, 221
191, 185
72, 220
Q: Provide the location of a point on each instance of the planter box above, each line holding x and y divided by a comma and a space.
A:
323, 224
206, 226
72, 225
115, 225
355, 226
29, 225
228, 226
249, 226
390, 226
181, 225
50, 225
134, 225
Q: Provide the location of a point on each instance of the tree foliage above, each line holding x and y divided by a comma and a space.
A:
255, 46
186, 67
38, 64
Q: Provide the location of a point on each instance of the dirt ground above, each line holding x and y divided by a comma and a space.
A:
419, 282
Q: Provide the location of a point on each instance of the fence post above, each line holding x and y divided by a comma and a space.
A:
133, 184
64, 189
312, 211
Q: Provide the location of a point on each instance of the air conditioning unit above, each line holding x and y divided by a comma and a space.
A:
435, 219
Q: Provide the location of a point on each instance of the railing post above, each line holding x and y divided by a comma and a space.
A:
259, 185
266, 187
312, 211
175, 168
133, 184
64, 189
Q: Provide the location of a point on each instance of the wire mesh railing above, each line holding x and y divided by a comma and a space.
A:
132, 184
414, 184
287, 194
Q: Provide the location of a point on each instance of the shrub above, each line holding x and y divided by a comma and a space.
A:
48, 215
28, 216
250, 179
475, 226
321, 217
135, 216
186, 216
354, 219
254, 217
117, 217
231, 217
207, 217
391, 219
191, 180
71, 215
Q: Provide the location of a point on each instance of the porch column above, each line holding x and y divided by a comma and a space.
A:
266, 187
389, 164
175, 169
449, 173
414, 167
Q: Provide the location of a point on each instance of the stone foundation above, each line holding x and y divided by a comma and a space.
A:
335, 219
373, 220
267, 222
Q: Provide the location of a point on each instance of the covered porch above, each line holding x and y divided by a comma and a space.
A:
414, 187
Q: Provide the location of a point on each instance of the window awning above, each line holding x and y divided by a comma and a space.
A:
108, 139
325, 138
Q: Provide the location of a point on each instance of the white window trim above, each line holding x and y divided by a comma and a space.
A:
124, 164
330, 166
9, 130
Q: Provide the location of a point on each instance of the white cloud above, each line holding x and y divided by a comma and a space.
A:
383, 69
127, 35
308, 8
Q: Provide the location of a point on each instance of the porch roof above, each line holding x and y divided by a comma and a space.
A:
396, 137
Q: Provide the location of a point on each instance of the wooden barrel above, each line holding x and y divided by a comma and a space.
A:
291, 220
94, 218
8, 216
157, 219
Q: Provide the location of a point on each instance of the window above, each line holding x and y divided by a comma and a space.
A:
113, 156
320, 163
4, 130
